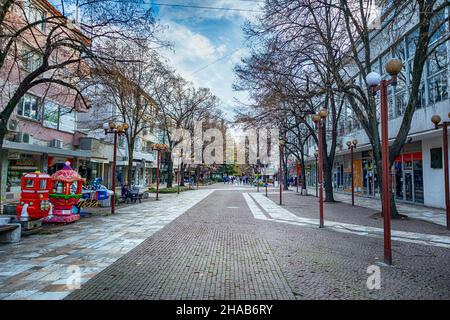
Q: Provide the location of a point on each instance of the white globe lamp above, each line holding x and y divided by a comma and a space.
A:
373, 79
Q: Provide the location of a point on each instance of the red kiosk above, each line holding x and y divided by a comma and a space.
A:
66, 192
34, 198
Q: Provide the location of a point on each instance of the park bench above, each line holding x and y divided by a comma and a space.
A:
10, 233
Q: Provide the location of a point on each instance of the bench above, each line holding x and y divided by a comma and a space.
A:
10, 233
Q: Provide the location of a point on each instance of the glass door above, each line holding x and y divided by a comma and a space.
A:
418, 182
398, 180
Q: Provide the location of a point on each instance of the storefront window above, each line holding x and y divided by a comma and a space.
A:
17, 166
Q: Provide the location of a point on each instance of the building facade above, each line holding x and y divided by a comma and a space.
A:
417, 175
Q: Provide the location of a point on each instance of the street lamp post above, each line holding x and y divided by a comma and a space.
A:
444, 125
316, 155
352, 145
280, 174
373, 79
318, 119
159, 148
116, 130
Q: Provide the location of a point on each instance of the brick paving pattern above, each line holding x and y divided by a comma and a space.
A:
218, 250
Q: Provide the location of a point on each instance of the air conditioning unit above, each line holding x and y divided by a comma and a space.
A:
56, 143
23, 138
13, 125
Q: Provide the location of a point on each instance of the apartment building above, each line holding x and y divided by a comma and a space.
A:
42, 131
418, 174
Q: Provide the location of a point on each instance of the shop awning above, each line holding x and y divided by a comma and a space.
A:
33, 148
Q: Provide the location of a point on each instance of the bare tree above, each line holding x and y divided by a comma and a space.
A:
126, 85
180, 105
48, 49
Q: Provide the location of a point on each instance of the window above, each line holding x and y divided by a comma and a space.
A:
59, 117
438, 60
31, 59
436, 158
51, 115
437, 75
29, 107
43, 184
437, 88
34, 14
66, 120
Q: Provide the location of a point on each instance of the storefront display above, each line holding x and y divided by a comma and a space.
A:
408, 177
20, 164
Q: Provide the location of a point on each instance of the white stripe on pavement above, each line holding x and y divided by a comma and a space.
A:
280, 214
257, 213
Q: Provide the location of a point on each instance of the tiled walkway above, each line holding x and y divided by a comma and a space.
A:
413, 211
41, 266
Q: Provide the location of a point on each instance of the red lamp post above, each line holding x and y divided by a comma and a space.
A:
352, 145
373, 79
116, 130
280, 169
444, 125
318, 119
316, 155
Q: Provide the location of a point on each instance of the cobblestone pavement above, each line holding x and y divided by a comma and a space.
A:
40, 266
222, 248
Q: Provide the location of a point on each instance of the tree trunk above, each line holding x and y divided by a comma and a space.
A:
130, 164
328, 180
303, 174
182, 172
394, 211
169, 173
285, 173
3, 130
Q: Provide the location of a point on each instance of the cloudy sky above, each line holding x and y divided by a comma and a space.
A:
207, 43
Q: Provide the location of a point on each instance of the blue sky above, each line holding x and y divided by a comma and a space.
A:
207, 44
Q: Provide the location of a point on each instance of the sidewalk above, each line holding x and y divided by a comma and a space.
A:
41, 266
432, 215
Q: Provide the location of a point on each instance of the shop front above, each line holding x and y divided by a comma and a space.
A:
408, 177
18, 164
56, 163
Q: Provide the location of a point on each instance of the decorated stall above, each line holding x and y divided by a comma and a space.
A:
66, 192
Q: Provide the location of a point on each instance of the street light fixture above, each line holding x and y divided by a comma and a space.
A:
118, 130
352, 145
280, 169
444, 125
374, 80
318, 119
